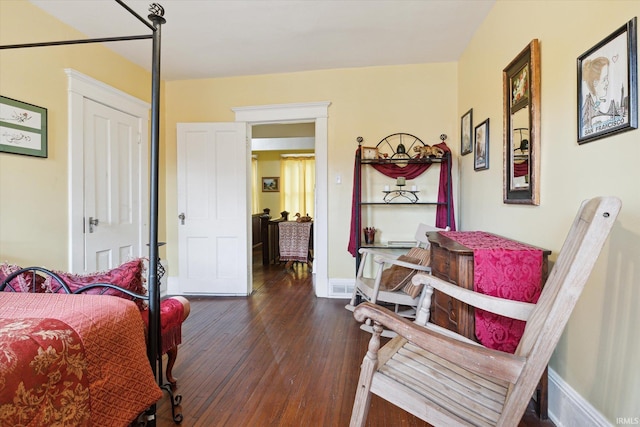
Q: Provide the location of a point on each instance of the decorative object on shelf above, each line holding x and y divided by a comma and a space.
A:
369, 235
521, 120
428, 151
608, 86
369, 153
401, 181
387, 165
305, 218
466, 137
411, 195
481, 156
23, 128
270, 184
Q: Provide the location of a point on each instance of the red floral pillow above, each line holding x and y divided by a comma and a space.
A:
23, 282
129, 275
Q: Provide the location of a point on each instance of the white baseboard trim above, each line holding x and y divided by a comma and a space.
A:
569, 409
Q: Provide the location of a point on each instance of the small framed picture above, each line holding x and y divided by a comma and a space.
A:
370, 153
608, 86
23, 128
466, 129
270, 184
481, 156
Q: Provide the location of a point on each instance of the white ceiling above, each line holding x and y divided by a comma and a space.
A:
220, 38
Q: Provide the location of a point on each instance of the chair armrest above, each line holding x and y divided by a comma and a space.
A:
375, 252
504, 307
478, 359
387, 260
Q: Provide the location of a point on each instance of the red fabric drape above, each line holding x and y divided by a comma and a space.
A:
410, 171
521, 169
506, 269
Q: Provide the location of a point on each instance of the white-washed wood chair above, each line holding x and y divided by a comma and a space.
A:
391, 280
455, 382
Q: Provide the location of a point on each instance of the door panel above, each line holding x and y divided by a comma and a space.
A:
112, 187
212, 193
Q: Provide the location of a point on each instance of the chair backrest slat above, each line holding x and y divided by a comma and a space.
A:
566, 281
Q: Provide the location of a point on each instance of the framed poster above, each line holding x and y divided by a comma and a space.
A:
270, 184
23, 128
481, 156
466, 129
608, 86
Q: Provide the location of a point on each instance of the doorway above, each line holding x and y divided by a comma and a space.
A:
316, 112
282, 155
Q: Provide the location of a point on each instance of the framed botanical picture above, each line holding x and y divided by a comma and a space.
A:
23, 128
466, 129
481, 155
608, 86
270, 184
520, 88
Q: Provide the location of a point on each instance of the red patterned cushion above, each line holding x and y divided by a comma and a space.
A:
171, 316
129, 275
23, 282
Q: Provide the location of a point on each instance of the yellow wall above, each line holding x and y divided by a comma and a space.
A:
599, 350
33, 191
269, 166
368, 102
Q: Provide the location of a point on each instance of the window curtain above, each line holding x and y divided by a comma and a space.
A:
298, 182
255, 186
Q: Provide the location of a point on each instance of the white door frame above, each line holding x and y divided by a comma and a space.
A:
304, 112
81, 86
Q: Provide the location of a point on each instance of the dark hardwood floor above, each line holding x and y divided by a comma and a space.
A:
281, 357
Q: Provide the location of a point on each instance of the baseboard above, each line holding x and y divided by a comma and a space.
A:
568, 409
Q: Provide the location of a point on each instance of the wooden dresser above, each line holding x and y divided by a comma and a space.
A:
453, 262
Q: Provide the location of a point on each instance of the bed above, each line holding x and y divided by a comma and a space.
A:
154, 23
66, 359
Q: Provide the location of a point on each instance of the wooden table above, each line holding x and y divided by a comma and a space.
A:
454, 262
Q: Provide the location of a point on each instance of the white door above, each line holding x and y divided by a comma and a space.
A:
213, 200
112, 185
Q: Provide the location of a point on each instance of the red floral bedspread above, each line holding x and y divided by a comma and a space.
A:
502, 268
72, 360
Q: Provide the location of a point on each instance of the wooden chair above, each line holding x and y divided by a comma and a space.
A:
448, 381
391, 282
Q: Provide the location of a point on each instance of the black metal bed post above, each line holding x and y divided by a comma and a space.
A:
154, 289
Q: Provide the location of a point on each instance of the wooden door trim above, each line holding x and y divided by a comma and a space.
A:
81, 87
318, 113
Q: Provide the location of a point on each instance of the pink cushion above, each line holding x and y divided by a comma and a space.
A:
23, 282
129, 275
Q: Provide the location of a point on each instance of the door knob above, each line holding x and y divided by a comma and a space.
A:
181, 217
93, 222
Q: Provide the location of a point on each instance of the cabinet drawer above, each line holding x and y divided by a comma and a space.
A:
440, 262
444, 311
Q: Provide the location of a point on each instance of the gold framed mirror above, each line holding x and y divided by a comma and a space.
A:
521, 100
